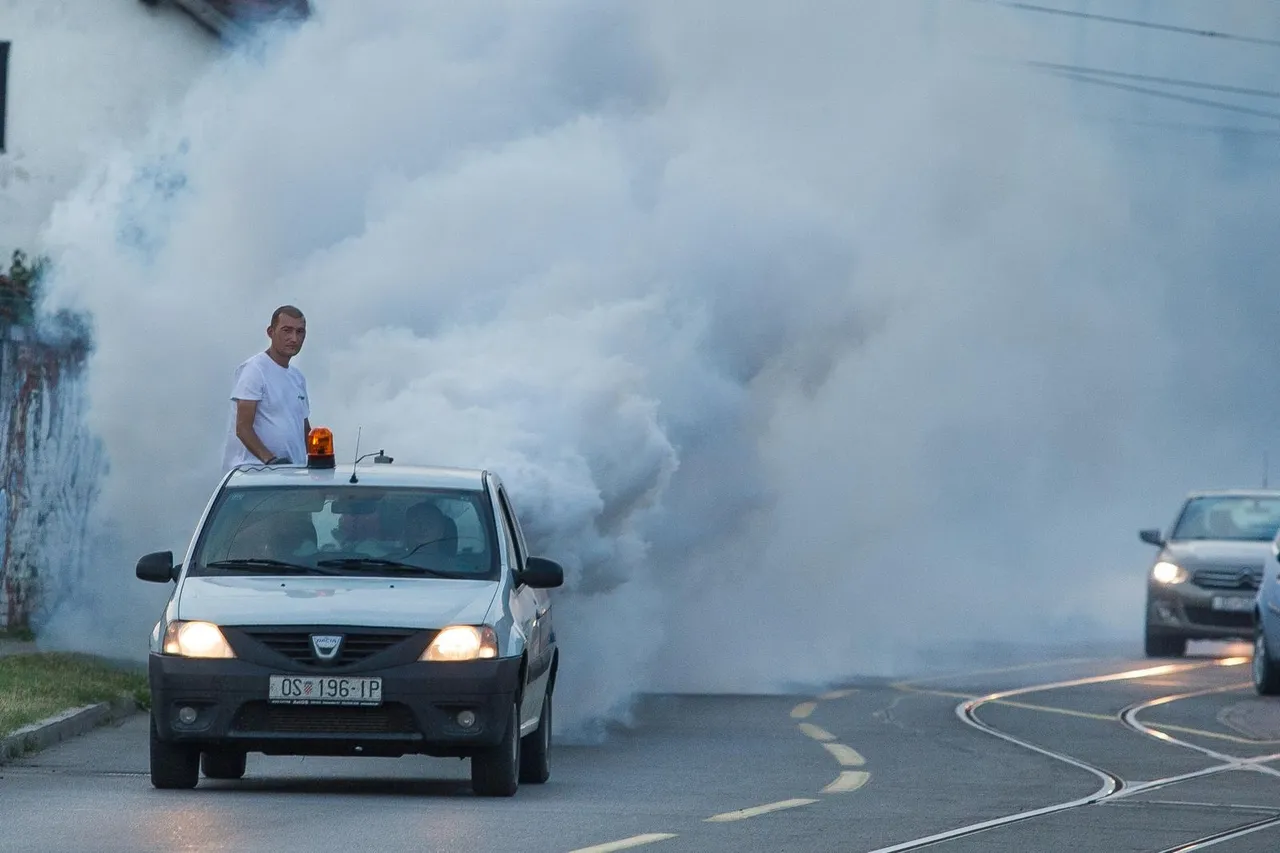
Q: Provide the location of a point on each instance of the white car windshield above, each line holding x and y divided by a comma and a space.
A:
1233, 518
358, 531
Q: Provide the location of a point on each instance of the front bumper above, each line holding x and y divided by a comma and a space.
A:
418, 712
1187, 610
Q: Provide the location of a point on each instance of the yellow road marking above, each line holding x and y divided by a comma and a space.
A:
846, 755
836, 694
816, 732
848, 780
803, 710
1066, 712
905, 685
626, 843
1218, 735
1089, 716
948, 694
1111, 717
754, 811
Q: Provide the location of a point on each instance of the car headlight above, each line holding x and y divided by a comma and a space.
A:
463, 642
1168, 573
196, 640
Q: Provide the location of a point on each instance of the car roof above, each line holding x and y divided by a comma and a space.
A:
422, 476
1234, 493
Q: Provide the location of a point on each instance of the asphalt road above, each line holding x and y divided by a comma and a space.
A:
1099, 754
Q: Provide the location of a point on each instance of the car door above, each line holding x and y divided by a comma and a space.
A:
524, 608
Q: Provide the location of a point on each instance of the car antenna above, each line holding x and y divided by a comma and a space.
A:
1266, 469
357, 461
379, 457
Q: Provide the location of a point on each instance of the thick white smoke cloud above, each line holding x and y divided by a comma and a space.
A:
808, 342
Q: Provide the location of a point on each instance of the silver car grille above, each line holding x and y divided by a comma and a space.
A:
1228, 577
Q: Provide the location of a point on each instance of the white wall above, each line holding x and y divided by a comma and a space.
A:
82, 73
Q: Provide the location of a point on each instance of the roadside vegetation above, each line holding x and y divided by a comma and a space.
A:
39, 685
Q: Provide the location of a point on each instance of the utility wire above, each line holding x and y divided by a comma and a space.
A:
1171, 81
1192, 128
1204, 102
1031, 7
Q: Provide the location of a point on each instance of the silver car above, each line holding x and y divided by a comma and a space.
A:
390, 610
1203, 583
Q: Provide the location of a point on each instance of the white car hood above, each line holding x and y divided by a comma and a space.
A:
382, 602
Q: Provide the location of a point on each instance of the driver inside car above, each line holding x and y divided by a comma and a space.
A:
429, 534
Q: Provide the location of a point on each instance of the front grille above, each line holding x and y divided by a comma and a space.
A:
263, 717
1228, 577
1219, 618
356, 645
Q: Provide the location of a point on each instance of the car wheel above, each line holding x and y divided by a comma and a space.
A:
535, 749
495, 772
1266, 672
172, 765
1165, 645
223, 764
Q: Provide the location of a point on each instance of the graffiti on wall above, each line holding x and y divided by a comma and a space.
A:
50, 469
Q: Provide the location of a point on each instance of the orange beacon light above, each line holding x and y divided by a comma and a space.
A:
320, 448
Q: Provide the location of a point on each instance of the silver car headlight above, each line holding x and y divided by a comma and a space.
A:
463, 642
1168, 573
196, 640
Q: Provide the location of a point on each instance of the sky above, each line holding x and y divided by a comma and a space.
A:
815, 342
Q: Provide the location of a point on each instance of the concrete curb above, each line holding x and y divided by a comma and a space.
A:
64, 726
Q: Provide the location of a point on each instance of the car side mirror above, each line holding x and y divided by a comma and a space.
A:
541, 573
1151, 537
158, 567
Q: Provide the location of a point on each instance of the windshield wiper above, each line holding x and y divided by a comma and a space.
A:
267, 564
379, 563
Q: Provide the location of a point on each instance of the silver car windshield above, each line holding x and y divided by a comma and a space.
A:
354, 531
1245, 519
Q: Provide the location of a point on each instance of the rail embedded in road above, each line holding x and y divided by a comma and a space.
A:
1113, 786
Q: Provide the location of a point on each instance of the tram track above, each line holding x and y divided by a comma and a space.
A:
1112, 786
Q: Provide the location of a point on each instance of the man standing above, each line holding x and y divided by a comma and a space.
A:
270, 411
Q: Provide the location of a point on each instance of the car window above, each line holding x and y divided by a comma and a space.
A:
1237, 518
349, 530
517, 548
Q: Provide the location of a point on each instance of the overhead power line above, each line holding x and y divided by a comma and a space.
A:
1213, 129
1147, 78
1152, 25
1172, 96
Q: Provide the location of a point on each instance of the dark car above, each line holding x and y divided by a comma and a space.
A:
1203, 583
229, 17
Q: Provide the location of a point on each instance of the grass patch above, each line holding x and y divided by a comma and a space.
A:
39, 685
23, 635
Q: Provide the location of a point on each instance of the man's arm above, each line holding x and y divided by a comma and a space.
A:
306, 431
246, 410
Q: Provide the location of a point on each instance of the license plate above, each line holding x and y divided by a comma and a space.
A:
325, 690
1232, 603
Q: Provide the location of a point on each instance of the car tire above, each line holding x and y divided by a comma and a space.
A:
495, 772
1266, 670
223, 764
535, 748
173, 765
1164, 645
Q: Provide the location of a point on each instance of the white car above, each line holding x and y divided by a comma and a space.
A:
381, 610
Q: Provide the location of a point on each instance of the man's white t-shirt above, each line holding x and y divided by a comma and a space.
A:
283, 405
